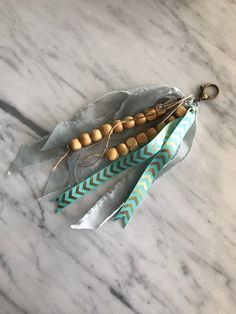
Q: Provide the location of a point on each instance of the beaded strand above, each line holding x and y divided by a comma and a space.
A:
118, 126
142, 138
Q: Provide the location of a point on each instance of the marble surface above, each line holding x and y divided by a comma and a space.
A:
178, 255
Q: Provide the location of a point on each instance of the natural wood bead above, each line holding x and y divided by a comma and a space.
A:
85, 139
96, 135
132, 143
160, 112
112, 154
180, 111
130, 122
142, 138
105, 129
75, 144
151, 133
119, 128
160, 126
171, 118
150, 114
122, 149
140, 118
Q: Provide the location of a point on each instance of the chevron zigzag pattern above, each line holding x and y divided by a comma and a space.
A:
122, 164
156, 164
102, 176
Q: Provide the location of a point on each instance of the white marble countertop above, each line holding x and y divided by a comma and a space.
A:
178, 255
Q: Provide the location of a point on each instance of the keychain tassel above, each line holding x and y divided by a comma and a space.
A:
158, 152
147, 154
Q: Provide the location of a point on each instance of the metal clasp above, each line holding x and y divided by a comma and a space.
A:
205, 92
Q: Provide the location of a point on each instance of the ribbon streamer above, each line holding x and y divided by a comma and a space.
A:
159, 152
113, 169
109, 204
168, 151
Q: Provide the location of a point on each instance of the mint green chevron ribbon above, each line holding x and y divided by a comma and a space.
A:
156, 164
118, 166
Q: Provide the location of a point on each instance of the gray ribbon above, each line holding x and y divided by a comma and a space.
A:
114, 105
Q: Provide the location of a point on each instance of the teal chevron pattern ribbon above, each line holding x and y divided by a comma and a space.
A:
113, 169
157, 162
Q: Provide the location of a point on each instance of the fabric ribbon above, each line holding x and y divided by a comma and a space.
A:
111, 106
156, 164
157, 153
114, 168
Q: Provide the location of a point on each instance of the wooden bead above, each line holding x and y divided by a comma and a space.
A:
85, 139
151, 133
119, 128
150, 114
140, 118
112, 154
142, 138
171, 118
160, 112
160, 126
122, 149
96, 135
180, 111
130, 122
106, 129
132, 143
75, 144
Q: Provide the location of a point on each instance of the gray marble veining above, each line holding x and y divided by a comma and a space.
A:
178, 255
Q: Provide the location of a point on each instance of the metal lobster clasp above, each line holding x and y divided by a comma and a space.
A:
205, 94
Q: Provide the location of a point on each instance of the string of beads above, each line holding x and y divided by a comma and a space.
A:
118, 126
142, 138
